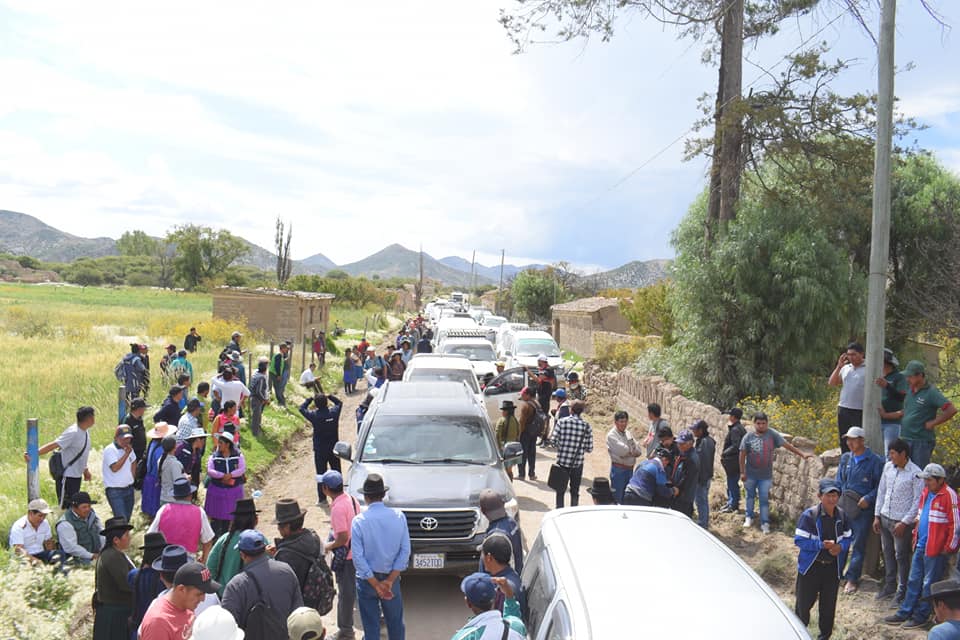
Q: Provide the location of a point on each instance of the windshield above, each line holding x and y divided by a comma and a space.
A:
536, 347
475, 352
445, 375
493, 321
417, 439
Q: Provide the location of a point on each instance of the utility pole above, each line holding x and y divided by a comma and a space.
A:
880, 234
500, 287
473, 272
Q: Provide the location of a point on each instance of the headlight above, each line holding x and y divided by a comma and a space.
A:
512, 508
482, 523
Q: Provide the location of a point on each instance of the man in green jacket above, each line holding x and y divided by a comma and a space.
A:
280, 372
79, 530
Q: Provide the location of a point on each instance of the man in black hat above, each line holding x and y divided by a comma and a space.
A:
78, 530
380, 543
296, 546
945, 596
730, 459
145, 580
600, 491
114, 596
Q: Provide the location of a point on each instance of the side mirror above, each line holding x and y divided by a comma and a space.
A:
344, 450
512, 451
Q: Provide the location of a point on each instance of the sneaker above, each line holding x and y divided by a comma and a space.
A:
747, 522
726, 509
765, 528
913, 624
895, 619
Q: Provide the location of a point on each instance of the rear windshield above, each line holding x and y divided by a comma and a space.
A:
421, 374
426, 438
476, 352
534, 347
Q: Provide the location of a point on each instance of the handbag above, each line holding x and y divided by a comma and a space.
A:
559, 477
850, 503
340, 553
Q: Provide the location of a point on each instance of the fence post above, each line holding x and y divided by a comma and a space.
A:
33, 465
121, 404
303, 352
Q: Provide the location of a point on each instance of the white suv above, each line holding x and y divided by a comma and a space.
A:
438, 367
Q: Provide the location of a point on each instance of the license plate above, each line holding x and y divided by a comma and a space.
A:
428, 560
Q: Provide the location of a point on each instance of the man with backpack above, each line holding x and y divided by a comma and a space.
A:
131, 371
302, 549
531, 420
262, 595
69, 464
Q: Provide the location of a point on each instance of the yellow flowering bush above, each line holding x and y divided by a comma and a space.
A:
815, 420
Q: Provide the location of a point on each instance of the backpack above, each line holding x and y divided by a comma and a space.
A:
263, 621
56, 466
536, 424
120, 371
317, 588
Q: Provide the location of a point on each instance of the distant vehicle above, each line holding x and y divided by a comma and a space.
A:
504, 334
436, 450
438, 367
448, 324
477, 350
525, 346
590, 592
492, 321
459, 298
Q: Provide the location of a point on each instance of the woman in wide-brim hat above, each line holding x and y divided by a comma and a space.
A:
146, 581
150, 494
224, 561
225, 468
601, 491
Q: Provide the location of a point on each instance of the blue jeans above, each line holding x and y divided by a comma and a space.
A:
923, 572
370, 605
891, 431
703, 505
861, 526
921, 451
619, 478
733, 490
752, 485
121, 501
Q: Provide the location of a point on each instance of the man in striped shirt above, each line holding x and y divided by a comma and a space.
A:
573, 437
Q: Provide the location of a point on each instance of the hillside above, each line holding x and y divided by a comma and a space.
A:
317, 263
633, 275
493, 273
396, 261
21, 234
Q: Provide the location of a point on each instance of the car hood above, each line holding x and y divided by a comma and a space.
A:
433, 485
482, 367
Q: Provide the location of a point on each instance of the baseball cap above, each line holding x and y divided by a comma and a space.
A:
932, 470
194, 574
491, 505
138, 403
251, 541
914, 368
855, 432
889, 357
685, 436
736, 412
123, 431
479, 588
331, 478
305, 623
829, 484
40, 505
560, 393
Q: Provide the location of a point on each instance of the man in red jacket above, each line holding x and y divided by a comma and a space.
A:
936, 536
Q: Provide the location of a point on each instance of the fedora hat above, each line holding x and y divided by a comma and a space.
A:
116, 524
173, 557
507, 405
245, 507
287, 510
182, 488
154, 540
159, 430
600, 489
374, 485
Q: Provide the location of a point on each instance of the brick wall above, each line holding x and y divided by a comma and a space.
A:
576, 333
278, 316
794, 480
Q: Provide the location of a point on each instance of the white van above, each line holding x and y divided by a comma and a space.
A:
438, 367
664, 578
446, 325
524, 347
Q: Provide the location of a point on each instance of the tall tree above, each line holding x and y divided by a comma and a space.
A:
282, 245
203, 253
136, 243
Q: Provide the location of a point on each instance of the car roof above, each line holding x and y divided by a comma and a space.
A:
439, 361
475, 340
670, 568
427, 398
533, 334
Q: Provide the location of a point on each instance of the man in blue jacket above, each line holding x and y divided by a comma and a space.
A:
325, 421
649, 480
823, 535
859, 476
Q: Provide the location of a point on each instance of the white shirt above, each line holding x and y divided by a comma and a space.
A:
22, 532
851, 393
307, 377
117, 479
206, 531
71, 441
232, 390
492, 624
899, 492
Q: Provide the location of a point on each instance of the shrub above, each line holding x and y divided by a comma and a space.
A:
815, 420
49, 591
614, 356
29, 324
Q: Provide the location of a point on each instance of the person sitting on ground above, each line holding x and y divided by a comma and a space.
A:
113, 595
494, 510
945, 596
308, 379
480, 594
78, 531
600, 491
184, 523
31, 536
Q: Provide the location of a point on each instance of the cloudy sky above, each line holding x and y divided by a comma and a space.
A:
409, 122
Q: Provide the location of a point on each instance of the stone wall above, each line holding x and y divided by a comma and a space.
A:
794, 480
279, 315
576, 333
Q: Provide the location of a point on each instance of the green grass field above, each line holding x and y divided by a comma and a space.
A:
60, 345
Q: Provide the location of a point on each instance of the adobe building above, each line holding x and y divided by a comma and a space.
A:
577, 324
281, 315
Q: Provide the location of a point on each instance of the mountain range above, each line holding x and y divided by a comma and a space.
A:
22, 234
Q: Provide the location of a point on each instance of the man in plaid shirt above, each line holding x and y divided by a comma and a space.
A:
573, 437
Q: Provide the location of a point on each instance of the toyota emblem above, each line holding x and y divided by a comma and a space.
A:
429, 523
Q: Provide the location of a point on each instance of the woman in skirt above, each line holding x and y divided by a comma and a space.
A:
225, 468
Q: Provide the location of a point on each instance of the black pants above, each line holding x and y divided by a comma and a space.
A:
631, 498
820, 581
65, 490
323, 457
575, 475
686, 508
847, 418
529, 457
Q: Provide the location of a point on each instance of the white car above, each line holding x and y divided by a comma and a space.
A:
446, 325
437, 367
526, 346
505, 333
477, 350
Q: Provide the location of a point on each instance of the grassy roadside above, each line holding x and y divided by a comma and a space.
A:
61, 345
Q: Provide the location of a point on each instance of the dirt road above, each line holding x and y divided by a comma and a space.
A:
433, 606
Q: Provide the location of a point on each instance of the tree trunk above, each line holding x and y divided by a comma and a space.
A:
713, 198
731, 144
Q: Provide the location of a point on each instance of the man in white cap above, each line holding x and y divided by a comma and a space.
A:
119, 470
305, 624
859, 476
216, 623
31, 536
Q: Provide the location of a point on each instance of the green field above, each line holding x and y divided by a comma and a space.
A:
60, 345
